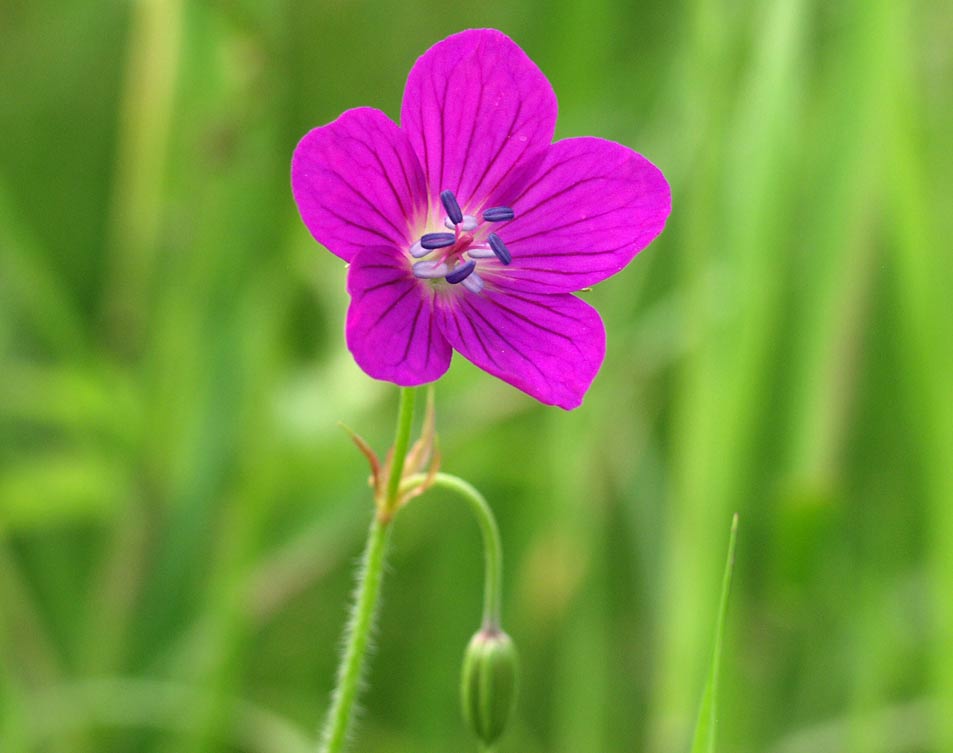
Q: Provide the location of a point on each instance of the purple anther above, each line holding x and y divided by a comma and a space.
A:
501, 251
449, 202
437, 240
461, 272
498, 214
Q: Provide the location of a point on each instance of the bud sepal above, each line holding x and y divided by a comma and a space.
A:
489, 683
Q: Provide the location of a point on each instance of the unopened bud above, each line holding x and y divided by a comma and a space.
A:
489, 683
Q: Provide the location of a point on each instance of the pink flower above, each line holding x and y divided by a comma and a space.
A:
467, 229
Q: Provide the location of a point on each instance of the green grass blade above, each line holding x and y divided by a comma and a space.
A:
704, 741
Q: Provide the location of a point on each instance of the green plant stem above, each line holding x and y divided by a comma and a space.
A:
358, 632
492, 548
405, 418
359, 626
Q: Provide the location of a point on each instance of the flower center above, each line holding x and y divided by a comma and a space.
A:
455, 256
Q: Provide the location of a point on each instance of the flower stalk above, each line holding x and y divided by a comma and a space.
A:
489, 530
405, 418
358, 631
364, 612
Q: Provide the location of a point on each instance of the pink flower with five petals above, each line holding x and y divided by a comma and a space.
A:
466, 228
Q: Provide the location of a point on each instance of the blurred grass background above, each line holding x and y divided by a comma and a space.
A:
179, 515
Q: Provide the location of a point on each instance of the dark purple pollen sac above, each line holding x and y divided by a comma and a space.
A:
449, 202
498, 214
500, 249
437, 240
461, 272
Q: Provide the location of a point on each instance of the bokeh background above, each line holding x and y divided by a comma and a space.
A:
180, 515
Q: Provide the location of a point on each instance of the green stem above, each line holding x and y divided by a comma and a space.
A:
405, 417
358, 632
492, 548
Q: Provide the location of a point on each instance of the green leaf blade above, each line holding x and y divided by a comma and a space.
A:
705, 729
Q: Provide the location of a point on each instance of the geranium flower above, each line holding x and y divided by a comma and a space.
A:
466, 228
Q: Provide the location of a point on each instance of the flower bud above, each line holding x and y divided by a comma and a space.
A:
489, 683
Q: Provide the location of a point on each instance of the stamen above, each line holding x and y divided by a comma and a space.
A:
468, 225
501, 251
431, 269
481, 251
431, 241
474, 283
418, 251
498, 214
461, 272
449, 202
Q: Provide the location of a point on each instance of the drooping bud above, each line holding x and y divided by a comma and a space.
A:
490, 668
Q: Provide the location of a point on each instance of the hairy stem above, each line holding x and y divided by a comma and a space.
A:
357, 634
359, 626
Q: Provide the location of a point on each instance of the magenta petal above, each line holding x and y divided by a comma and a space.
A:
479, 114
549, 346
358, 183
391, 329
593, 206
